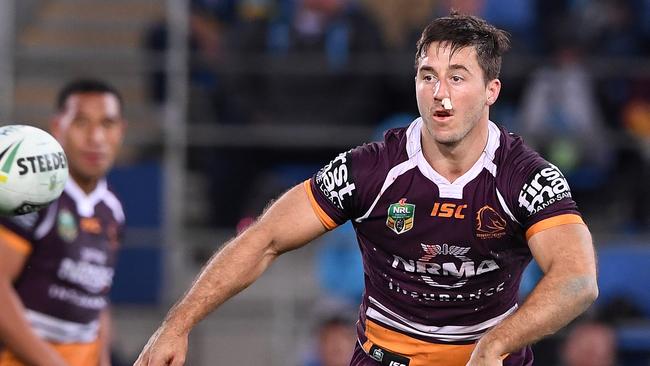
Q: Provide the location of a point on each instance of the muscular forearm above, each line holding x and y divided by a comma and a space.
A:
16, 333
555, 301
228, 272
231, 270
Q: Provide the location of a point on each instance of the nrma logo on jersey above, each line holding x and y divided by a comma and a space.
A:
6, 163
400, 216
543, 189
461, 272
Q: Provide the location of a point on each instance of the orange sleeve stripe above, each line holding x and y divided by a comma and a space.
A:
322, 215
15, 241
552, 222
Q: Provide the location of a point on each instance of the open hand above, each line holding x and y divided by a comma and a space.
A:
484, 356
165, 348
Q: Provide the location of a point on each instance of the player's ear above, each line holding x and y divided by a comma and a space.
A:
492, 91
124, 124
59, 124
55, 126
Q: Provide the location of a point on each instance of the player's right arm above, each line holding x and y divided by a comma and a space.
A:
15, 331
288, 224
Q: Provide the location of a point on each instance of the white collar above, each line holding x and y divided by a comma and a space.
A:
455, 189
86, 202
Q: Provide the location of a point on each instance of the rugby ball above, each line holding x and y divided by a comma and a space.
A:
33, 169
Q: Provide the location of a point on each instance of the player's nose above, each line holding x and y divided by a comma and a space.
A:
440, 90
96, 135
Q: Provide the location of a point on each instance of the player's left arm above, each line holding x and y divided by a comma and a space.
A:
105, 337
565, 254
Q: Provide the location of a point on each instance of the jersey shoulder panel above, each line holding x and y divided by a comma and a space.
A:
533, 188
20, 232
345, 187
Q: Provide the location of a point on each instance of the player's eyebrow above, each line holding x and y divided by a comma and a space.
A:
426, 68
459, 67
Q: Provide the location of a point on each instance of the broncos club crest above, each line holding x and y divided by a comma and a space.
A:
489, 224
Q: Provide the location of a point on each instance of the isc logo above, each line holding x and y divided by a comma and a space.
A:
395, 363
448, 210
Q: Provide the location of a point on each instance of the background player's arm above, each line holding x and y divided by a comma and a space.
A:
288, 224
15, 331
566, 256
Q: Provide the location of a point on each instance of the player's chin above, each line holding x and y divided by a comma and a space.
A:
447, 138
93, 172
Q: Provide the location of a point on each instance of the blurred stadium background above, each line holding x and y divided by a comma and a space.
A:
231, 102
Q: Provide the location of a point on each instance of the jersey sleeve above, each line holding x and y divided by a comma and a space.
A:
338, 191
539, 193
18, 231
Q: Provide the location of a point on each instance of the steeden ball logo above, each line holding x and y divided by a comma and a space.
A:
7, 163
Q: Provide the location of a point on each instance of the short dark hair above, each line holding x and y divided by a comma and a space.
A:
85, 86
462, 31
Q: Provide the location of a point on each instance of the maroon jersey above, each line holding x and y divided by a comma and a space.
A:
442, 260
71, 247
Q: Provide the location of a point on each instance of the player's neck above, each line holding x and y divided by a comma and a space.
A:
452, 161
86, 184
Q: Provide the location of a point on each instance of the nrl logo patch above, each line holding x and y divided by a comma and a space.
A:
400, 216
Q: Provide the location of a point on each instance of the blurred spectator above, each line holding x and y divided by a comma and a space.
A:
224, 10
636, 113
335, 337
607, 27
401, 22
590, 344
518, 17
313, 49
561, 118
296, 65
634, 160
339, 265
209, 100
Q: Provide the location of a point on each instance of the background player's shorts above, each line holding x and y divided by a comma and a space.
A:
75, 354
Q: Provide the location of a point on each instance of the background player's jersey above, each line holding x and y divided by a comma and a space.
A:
442, 260
71, 247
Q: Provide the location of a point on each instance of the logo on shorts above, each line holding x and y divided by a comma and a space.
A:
400, 216
377, 354
387, 358
489, 224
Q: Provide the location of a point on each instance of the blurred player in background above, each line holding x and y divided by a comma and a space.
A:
335, 337
56, 265
448, 213
590, 344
